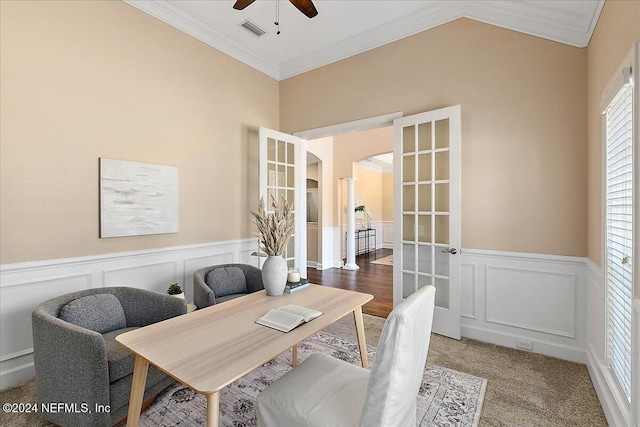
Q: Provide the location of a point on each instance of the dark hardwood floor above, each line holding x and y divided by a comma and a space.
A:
374, 279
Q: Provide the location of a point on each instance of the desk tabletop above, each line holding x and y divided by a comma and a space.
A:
212, 347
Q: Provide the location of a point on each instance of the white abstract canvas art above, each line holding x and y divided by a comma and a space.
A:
137, 198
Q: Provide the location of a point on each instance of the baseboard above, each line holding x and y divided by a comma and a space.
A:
316, 265
560, 351
616, 416
17, 375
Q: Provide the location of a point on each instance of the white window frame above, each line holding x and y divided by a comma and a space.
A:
629, 409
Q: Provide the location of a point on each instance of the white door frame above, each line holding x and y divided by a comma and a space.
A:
384, 120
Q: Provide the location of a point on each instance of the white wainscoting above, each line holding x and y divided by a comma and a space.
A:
555, 302
387, 234
541, 299
25, 285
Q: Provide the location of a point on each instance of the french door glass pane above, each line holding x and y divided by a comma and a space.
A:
408, 227
424, 136
408, 198
290, 156
442, 229
442, 133
408, 284
442, 198
408, 257
424, 228
424, 281
424, 167
282, 151
424, 197
442, 165
271, 150
442, 262
408, 169
424, 259
442, 292
408, 139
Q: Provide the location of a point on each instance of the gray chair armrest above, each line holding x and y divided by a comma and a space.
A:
142, 307
253, 276
203, 296
63, 353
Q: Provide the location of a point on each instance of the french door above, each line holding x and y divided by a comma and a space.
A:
283, 171
427, 212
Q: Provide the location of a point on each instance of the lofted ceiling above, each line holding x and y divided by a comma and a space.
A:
346, 28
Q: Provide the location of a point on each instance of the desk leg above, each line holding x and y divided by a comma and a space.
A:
294, 356
213, 409
140, 369
362, 342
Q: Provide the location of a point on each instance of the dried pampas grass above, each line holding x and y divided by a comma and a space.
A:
274, 229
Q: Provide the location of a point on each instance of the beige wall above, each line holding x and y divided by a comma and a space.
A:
387, 197
617, 29
523, 123
323, 149
350, 148
312, 242
83, 80
368, 188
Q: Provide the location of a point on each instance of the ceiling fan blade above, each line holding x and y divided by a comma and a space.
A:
241, 4
304, 6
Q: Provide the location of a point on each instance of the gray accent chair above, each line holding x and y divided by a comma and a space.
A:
77, 359
219, 283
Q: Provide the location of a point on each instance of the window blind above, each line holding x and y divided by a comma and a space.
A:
619, 234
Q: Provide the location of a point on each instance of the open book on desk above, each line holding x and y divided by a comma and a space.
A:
288, 317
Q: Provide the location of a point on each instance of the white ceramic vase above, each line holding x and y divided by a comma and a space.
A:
179, 295
274, 275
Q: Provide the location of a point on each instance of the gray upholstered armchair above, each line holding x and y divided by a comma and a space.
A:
77, 359
219, 283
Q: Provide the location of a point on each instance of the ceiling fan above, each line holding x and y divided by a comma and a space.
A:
304, 6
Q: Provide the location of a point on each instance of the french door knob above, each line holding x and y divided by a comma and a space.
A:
451, 251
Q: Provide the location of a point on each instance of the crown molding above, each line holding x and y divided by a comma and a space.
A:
375, 167
440, 13
542, 20
166, 12
567, 27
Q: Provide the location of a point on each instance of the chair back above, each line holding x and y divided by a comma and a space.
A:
395, 379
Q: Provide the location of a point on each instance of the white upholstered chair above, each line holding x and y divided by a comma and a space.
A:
324, 391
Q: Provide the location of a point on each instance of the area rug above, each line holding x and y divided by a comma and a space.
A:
446, 397
388, 260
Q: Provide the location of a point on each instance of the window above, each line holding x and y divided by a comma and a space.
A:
619, 233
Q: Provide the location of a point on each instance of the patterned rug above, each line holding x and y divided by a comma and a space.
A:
446, 398
388, 260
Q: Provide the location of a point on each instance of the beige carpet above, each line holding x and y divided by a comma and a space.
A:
524, 389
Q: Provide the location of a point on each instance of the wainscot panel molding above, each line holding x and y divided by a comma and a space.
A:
326, 258
533, 302
387, 234
615, 406
25, 285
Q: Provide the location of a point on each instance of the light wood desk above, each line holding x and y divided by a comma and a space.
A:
210, 348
